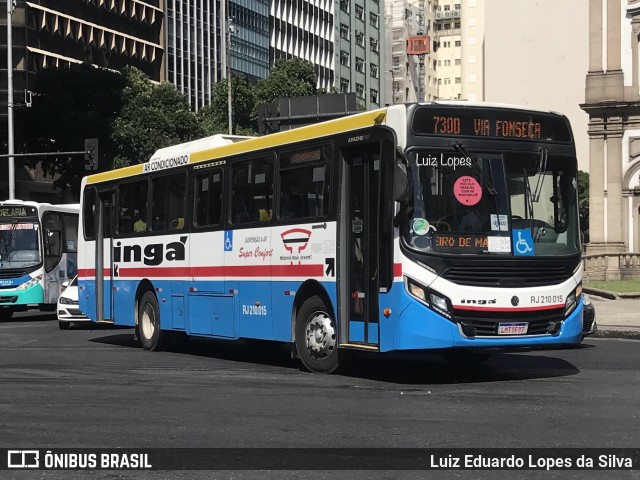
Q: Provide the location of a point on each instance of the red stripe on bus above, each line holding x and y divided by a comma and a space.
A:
230, 271
153, 272
509, 309
91, 272
397, 269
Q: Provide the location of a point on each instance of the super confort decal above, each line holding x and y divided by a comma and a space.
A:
164, 163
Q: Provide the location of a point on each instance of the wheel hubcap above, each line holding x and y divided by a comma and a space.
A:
148, 322
320, 335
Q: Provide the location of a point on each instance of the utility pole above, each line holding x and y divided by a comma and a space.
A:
226, 29
230, 30
12, 167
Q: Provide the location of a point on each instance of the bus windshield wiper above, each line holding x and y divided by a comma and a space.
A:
9, 238
475, 166
542, 172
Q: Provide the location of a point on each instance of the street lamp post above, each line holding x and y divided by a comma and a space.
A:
10, 146
230, 30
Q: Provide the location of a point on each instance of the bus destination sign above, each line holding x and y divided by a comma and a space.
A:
460, 243
17, 211
491, 123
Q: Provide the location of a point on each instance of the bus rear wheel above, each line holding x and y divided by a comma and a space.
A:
150, 335
316, 337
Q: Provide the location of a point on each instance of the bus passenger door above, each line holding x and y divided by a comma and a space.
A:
53, 256
103, 258
359, 271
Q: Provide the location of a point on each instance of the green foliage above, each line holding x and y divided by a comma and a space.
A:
583, 203
152, 117
214, 118
70, 104
288, 78
618, 286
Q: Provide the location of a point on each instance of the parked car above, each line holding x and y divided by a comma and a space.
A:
68, 310
589, 325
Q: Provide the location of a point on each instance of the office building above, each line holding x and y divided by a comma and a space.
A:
410, 77
56, 33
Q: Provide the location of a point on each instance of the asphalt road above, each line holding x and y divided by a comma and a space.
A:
93, 387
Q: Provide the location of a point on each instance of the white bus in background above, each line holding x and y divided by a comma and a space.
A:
38, 251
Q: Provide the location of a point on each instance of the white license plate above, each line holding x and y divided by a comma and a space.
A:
519, 328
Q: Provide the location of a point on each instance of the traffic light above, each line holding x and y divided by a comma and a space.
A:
90, 153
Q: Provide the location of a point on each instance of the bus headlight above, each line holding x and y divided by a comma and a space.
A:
572, 300
430, 298
417, 291
30, 283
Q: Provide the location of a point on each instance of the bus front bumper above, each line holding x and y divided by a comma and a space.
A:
14, 297
420, 328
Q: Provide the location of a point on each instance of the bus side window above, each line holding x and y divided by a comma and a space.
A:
304, 183
131, 216
169, 202
52, 225
89, 212
70, 233
252, 187
208, 199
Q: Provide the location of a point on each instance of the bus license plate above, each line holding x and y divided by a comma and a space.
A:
519, 328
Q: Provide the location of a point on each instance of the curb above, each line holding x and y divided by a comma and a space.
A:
609, 294
628, 333
600, 293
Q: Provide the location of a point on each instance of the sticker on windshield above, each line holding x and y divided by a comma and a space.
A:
467, 190
422, 226
522, 242
499, 244
18, 226
499, 223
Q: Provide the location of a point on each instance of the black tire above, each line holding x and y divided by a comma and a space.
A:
64, 325
5, 314
316, 337
150, 334
465, 358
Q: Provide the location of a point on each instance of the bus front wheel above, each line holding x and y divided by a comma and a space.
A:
316, 337
150, 334
5, 314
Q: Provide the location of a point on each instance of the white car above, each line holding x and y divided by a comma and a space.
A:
68, 310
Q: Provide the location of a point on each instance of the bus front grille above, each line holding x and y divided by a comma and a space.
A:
12, 274
7, 299
485, 324
507, 276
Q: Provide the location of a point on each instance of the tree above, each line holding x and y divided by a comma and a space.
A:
152, 117
288, 78
583, 204
214, 118
70, 104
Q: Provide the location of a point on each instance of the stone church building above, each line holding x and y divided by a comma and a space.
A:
612, 101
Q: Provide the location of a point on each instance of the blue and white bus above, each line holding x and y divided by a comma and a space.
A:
38, 251
443, 226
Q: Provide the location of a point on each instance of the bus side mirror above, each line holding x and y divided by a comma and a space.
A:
400, 178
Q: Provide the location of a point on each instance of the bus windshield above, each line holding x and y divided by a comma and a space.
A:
19, 245
505, 203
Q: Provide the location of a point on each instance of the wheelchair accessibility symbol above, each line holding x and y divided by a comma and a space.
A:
522, 242
228, 240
